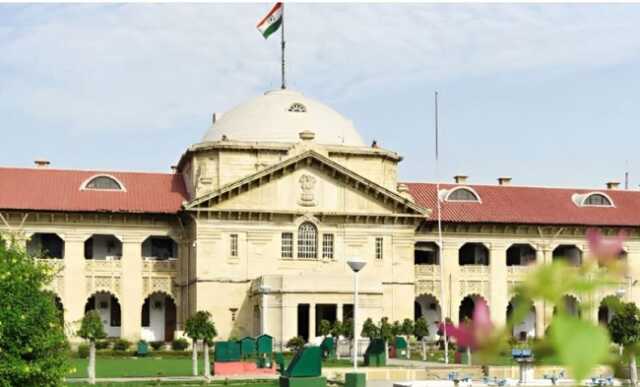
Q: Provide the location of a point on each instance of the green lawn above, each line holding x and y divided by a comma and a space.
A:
148, 384
133, 366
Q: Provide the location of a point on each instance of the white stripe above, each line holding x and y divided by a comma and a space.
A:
272, 19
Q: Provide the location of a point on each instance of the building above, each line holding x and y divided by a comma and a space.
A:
258, 219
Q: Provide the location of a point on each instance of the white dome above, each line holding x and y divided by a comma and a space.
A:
279, 116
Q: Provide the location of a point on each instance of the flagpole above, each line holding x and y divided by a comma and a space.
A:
284, 85
440, 244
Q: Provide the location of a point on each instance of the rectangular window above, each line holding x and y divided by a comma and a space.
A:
234, 245
327, 246
379, 248
287, 245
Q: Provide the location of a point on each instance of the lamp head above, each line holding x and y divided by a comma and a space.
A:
356, 264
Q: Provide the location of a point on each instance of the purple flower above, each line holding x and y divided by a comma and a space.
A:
604, 249
472, 333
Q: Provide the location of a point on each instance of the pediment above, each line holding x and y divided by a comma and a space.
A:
308, 182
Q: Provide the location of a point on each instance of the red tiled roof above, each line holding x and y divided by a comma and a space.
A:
531, 205
59, 190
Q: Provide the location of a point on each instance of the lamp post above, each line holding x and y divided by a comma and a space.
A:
356, 265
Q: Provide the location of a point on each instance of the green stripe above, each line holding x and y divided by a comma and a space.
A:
272, 28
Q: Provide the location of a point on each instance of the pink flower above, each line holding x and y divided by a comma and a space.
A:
475, 332
605, 249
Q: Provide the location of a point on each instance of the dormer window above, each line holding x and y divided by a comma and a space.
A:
597, 200
593, 199
462, 194
103, 183
297, 107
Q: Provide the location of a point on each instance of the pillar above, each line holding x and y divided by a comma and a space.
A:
498, 292
340, 312
540, 322
131, 293
312, 321
450, 299
75, 295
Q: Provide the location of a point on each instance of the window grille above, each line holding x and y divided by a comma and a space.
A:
287, 245
379, 246
103, 182
327, 246
234, 245
297, 107
307, 241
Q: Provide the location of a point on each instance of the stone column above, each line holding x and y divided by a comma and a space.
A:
340, 312
498, 297
540, 322
75, 281
450, 300
131, 293
312, 321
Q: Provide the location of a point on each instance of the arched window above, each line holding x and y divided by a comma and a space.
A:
297, 107
462, 195
103, 182
597, 199
307, 241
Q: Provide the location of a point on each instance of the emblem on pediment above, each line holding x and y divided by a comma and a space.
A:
307, 185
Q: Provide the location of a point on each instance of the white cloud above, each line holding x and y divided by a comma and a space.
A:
157, 66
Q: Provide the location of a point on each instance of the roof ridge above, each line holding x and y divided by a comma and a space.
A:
594, 189
87, 170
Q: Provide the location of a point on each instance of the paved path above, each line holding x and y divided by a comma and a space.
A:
174, 378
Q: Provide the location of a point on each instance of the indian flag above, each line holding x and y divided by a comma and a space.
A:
270, 23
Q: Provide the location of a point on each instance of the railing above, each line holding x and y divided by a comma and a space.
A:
100, 265
152, 265
427, 270
518, 271
474, 269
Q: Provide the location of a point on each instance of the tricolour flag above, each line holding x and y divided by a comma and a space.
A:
270, 23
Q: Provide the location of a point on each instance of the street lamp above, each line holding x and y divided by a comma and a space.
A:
356, 264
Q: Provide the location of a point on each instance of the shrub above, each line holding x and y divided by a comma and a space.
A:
295, 344
83, 351
121, 345
102, 344
179, 344
157, 345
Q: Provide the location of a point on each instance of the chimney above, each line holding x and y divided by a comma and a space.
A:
504, 180
613, 184
42, 163
460, 179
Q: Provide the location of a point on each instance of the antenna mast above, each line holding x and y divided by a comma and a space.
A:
440, 244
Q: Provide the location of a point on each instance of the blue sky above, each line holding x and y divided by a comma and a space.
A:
547, 94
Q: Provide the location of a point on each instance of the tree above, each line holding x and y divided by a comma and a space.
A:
33, 347
91, 329
337, 331
408, 329
385, 333
421, 330
347, 332
396, 328
324, 328
369, 329
200, 327
625, 331
295, 344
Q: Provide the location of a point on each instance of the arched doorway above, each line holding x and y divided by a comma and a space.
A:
467, 305
526, 326
108, 308
428, 307
607, 308
571, 306
158, 318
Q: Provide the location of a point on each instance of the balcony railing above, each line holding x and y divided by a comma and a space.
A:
153, 265
427, 270
103, 265
474, 269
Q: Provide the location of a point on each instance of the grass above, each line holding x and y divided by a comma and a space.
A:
141, 384
132, 366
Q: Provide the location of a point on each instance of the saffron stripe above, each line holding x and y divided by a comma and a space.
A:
273, 10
